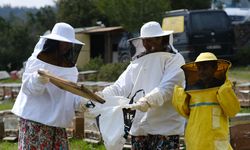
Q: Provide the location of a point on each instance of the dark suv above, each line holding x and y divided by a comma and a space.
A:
198, 31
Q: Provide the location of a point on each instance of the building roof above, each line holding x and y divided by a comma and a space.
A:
97, 29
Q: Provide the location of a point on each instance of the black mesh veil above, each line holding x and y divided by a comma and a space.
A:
71, 55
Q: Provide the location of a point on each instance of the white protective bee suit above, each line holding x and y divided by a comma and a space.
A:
46, 104
155, 74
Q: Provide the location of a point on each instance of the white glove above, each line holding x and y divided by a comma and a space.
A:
83, 107
43, 79
142, 105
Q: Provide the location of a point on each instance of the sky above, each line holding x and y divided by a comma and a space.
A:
27, 3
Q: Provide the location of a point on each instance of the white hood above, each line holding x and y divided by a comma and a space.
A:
137, 43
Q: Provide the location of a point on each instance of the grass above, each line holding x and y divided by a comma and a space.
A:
8, 145
245, 110
77, 144
74, 144
7, 104
11, 80
240, 74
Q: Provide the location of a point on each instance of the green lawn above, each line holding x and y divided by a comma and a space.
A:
6, 105
245, 110
239, 74
8, 145
75, 144
10, 81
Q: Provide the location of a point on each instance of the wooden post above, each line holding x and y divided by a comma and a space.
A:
2, 133
78, 131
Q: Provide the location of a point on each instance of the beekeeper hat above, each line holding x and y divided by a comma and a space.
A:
190, 69
207, 56
150, 30
63, 32
153, 29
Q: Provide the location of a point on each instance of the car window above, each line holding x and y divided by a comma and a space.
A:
209, 21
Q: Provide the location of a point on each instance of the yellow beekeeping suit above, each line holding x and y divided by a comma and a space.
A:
207, 111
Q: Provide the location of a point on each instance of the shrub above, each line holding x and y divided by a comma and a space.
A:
93, 64
106, 72
242, 56
111, 72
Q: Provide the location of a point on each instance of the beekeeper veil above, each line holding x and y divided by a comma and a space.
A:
151, 29
61, 32
191, 69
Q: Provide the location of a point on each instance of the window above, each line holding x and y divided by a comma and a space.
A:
209, 21
175, 24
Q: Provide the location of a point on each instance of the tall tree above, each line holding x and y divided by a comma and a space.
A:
41, 21
77, 12
18, 36
131, 14
15, 42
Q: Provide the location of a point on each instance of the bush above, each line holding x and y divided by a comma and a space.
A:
111, 72
106, 72
94, 64
242, 56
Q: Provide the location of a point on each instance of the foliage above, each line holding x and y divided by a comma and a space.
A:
18, 37
191, 4
14, 39
106, 72
94, 64
131, 14
242, 56
78, 13
41, 21
111, 72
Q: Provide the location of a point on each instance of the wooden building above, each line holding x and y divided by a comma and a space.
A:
99, 41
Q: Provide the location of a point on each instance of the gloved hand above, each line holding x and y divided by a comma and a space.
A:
142, 105
83, 107
43, 79
86, 104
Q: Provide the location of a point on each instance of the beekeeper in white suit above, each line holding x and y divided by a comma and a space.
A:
154, 72
44, 109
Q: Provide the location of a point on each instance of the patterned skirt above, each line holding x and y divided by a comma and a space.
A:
156, 142
37, 136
